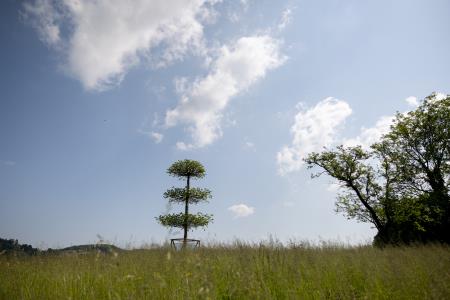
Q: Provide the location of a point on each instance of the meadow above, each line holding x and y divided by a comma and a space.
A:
238, 271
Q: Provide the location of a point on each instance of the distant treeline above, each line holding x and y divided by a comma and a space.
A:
13, 246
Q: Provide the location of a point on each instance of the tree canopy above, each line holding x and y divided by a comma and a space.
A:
181, 219
400, 185
194, 195
186, 168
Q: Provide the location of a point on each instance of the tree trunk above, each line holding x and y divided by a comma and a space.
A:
186, 212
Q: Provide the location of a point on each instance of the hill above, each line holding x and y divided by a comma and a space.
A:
103, 248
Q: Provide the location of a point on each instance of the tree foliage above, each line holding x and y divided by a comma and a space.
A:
400, 185
179, 220
347, 165
195, 195
186, 169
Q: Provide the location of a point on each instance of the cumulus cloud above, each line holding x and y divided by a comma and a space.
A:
412, 101
235, 69
371, 135
313, 129
104, 39
241, 210
45, 20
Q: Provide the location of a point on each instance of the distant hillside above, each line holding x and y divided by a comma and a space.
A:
104, 248
12, 246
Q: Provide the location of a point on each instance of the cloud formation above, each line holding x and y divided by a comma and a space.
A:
156, 136
412, 101
241, 210
371, 135
313, 129
45, 18
235, 69
101, 40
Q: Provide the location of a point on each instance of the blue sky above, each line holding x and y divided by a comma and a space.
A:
100, 97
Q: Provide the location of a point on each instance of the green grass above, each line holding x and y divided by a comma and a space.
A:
233, 272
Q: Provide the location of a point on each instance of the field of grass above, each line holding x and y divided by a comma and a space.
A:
232, 272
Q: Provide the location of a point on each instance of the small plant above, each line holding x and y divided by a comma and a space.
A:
186, 170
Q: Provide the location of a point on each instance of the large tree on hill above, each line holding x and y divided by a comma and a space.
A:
186, 170
401, 185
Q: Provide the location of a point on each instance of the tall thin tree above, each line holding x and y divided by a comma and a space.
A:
186, 170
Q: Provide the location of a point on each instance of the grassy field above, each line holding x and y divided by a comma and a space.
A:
232, 272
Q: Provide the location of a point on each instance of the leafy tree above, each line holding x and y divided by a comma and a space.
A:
419, 149
186, 170
401, 185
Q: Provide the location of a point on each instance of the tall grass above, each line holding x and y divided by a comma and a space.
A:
233, 272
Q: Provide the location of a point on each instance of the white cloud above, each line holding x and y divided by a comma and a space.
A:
237, 10
371, 135
439, 96
333, 187
310, 135
156, 136
249, 146
104, 39
183, 146
236, 68
286, 18
313, 129
45, 20
412, 101
435, 96
241, 210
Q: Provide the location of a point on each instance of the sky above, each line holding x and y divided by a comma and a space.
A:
99, 98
